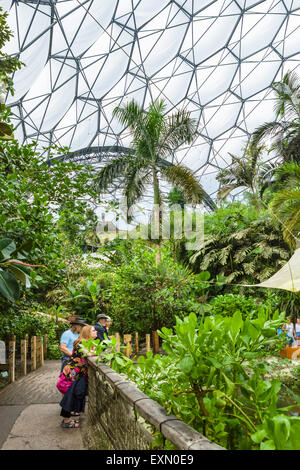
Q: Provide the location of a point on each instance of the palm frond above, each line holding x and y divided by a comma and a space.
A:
136, 180
133, 116
224, 254
179, 129
268, 129
111, 171
225, 190
287, 95
130, 115
183, 178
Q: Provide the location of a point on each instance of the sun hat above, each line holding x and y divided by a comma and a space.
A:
102, 315
79, 321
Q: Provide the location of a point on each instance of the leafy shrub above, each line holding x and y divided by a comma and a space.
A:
248, 306
22, 323
143, 296
212, 378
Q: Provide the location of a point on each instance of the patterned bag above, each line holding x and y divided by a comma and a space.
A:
64, 383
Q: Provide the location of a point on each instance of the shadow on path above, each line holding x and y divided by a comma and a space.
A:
29, 414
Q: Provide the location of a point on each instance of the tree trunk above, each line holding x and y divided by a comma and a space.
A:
157, 201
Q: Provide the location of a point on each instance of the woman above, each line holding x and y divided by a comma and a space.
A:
289, 329
297, 332
76, 371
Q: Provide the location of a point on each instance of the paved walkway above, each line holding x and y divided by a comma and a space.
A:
30, 414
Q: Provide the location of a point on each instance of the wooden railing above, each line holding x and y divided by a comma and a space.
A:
38, 353
135, 348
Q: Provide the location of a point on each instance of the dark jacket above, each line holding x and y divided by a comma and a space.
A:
102, 332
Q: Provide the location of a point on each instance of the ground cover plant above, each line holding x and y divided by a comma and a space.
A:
210, 378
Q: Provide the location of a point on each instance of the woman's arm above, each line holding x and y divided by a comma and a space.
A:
63, 348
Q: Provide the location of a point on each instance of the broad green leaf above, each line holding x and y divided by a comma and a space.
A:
281, 431
268, 332
258, 436
7, 246
186, 364
235, 325
20, 275
9, 286
267, 445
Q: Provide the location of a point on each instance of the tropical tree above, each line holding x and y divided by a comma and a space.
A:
247, 171
12, 269
285, 204
284, 131
156, 137
8, 65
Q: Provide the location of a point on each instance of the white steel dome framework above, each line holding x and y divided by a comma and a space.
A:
83, 58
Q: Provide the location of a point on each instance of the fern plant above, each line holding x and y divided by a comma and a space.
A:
248, 255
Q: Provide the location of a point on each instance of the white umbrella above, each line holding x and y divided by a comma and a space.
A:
287, 278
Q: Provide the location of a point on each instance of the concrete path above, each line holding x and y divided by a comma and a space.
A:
30, 414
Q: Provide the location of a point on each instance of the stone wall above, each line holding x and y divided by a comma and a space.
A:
119, 416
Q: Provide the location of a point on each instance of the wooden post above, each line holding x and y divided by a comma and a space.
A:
155, 342
38, 349
136, 342
45, 345
33, 353
42, 351
24, 356
127, 339
148, 347
118, 349
12, 359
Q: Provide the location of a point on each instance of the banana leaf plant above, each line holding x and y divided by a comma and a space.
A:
12, 270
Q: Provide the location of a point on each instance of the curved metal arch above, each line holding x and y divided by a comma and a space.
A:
95, 155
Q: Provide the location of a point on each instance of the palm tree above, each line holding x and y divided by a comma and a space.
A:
156, 137
247, 171
285, 129
285, 204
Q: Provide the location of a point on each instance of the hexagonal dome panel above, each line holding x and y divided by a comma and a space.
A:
214, 58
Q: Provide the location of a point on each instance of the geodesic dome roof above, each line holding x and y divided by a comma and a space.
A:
85, 57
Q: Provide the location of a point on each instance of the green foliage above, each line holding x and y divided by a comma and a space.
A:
54, 224
284, 131
141, 295
19, 322
246, 171
248, 306
155, 137
285, 202
8, 64
12, 269
245, 251
87, 299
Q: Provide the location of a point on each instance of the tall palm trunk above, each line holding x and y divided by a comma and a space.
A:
157, 215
